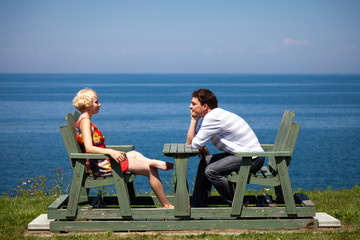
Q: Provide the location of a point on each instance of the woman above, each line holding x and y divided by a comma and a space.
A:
92, 141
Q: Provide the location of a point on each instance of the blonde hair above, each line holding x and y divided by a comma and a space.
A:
84, 99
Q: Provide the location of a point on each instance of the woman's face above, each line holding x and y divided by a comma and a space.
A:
94, 109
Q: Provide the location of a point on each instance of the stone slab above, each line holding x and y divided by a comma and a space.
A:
41, 223
327, 221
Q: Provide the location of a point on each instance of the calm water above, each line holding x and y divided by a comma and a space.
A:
150, 110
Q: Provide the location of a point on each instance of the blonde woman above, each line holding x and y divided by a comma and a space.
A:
92, 141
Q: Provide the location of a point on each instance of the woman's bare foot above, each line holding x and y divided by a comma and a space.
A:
161, 165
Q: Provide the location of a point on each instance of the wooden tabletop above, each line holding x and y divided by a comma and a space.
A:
173, 149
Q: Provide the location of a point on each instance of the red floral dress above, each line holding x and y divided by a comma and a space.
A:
97, 167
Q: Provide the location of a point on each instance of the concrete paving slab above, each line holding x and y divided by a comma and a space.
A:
327, 221
41, 223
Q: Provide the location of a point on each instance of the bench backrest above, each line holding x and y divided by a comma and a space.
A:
68, 133
286, 136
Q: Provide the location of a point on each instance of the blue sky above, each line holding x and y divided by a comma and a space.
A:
88, 36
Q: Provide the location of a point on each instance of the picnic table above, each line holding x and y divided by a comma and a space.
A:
129, 211
181, 153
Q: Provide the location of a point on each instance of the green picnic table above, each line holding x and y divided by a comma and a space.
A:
128, 211
181, 153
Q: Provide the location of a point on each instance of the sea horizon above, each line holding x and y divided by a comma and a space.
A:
150, 109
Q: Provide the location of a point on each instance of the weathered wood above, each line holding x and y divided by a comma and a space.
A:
129, 212
196, 213
276, 174
179, 225
182, 199
81, 178
241, 187
181, 153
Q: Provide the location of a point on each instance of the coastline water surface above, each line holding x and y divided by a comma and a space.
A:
148, 110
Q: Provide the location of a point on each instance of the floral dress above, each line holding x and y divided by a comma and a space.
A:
97, 167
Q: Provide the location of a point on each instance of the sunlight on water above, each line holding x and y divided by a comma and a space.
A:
150, 110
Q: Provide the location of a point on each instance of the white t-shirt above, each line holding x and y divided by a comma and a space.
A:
227, 131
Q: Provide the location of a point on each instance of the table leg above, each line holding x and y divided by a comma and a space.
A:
182, 199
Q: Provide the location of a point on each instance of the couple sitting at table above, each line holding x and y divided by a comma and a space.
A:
227, 131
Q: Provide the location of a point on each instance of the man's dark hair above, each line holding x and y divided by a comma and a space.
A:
206, 96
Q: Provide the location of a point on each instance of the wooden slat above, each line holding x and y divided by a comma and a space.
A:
121, 189
122, 148
181, 148
205, 213
104, 226
166, 148
241, 187
173, 148
189, 150
264, 154
58, 202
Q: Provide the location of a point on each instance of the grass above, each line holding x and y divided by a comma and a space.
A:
32, 196
16, 212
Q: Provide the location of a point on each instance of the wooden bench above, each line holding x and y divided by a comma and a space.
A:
82, 181
276, 173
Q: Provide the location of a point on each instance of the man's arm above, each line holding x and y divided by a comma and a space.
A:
192, 131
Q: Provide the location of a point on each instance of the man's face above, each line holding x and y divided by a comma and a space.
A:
196, 109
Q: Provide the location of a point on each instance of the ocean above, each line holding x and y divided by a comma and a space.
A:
148, 110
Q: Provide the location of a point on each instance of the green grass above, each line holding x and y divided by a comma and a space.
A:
17, 212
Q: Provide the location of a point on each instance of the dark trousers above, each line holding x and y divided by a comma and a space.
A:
213, 171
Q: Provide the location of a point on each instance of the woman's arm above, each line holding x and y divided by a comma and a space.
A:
85, 127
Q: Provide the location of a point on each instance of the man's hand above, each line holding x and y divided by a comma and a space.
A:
192, 130
203, 152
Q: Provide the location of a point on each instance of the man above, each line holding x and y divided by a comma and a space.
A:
229, 133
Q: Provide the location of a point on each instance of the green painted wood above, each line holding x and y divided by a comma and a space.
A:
179, 225
121, 189
241, 187
181, 153
286, 186
304, 200
75, 189
59, 202
76, 115
279, 157
196, 213
182, 199
268, 147
284, 153
173, 148
258, 178
183, 217
82, 181
181, 148
166, 148
122, 148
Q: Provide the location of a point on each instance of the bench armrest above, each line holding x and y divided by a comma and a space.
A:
122, 148
88, 156
264, 154
267, 146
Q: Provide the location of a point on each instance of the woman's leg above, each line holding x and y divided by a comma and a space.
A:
141, 165
151, 162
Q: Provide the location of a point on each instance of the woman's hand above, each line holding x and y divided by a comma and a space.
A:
118, 156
